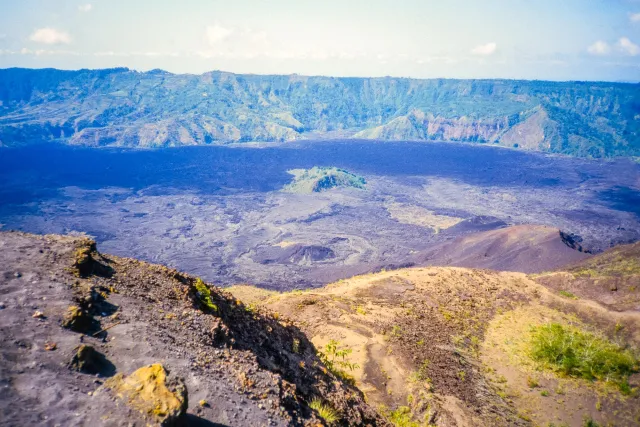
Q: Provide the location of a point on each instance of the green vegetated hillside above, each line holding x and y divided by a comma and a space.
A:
319, 179
120, 107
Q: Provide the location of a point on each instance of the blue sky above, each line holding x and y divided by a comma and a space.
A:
530, 39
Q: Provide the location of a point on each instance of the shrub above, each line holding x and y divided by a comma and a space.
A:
336, 360
396, 331
589, 422
567, 294
401, 417
422, 374
581, 354
325, 411
204, 294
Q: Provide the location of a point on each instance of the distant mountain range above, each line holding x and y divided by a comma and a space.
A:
121, 107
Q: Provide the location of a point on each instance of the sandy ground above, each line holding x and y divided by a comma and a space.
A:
440, 341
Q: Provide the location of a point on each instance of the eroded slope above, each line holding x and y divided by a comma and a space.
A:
240, 366
611, 278
453, 346
526, 248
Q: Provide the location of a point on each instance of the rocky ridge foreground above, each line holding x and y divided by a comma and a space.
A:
121, 107
87, 339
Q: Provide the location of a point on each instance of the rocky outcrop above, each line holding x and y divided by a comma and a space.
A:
254, 366
90, 361
418, 125
162, 399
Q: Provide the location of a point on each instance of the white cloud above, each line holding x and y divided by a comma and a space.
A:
634, 17
485, 49
85, 7
216, 34
50, 36
628, 47
599, 48
40, 52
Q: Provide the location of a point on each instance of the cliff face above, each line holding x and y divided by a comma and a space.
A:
420, 126
120, 107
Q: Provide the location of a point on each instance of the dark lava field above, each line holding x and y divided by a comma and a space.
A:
220, 212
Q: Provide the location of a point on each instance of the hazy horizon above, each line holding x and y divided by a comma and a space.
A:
637, 81
576, 40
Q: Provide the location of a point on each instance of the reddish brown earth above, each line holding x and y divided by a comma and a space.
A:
611, 278
525, 248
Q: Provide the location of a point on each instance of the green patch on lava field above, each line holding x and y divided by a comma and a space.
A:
319, 179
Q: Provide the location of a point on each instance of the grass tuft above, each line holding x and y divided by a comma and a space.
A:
567, 294
325, 411
401, 417
589, 422
577, 353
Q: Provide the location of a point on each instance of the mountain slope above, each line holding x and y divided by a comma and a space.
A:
439, 346
611, 278
119, 107
524, 248
452, 346
241, 365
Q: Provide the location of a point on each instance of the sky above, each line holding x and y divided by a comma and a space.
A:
516, 39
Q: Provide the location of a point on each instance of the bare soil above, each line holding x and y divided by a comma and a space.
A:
440, 342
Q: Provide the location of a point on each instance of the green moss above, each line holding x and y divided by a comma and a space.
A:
589, 422
204, 295
577, 353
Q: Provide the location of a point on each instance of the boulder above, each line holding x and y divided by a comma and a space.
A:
90, 361
161, 399
77, 319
